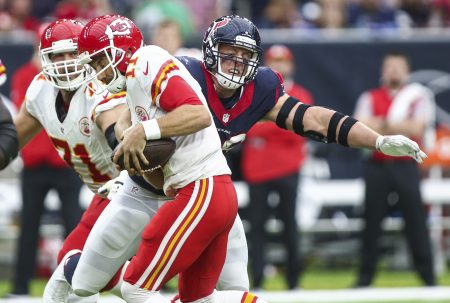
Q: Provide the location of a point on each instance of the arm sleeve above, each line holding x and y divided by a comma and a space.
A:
8, 137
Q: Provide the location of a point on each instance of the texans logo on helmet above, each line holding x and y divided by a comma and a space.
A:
220, 24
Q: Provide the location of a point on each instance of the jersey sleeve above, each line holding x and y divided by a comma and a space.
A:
31, 96
270, 83
108, 103
176, 93
158, 76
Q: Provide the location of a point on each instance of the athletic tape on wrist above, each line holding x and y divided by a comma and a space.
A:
151, 129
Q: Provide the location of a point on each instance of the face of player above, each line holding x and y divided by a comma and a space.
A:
62, 68
99, 63
232, 59
395, 72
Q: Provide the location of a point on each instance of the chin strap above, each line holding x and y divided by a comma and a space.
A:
118, 84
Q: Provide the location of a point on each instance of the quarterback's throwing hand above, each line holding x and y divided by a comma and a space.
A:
400, 146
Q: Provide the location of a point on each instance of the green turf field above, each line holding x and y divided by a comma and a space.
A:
312, 280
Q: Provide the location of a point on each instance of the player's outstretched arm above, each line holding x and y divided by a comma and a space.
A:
26, 125
329, 126
8, 137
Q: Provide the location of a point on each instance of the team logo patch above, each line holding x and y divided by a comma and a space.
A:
141, 113
220, 24
84, 126
119, 27
225, 118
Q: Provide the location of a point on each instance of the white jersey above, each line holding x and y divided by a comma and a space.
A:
197, 155
78, 140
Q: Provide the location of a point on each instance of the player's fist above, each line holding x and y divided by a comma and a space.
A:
399, 146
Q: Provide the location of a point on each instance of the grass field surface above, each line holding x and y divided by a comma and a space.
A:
316, 286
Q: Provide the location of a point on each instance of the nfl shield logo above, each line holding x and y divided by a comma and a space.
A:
225, 118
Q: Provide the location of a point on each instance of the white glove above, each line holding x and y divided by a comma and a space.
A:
399, 146
110, 188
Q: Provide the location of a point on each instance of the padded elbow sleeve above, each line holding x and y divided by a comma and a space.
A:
111, 136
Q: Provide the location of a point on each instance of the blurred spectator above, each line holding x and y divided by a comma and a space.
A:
440, 13
271, 160
43, 170
82, 10
332, 14
206, 10
151, 12
280, 14
167, 34
418, 12
374, 14
395, 108
17, 16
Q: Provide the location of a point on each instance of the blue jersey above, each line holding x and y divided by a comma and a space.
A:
257, 98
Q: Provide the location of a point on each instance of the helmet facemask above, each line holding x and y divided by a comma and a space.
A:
235, 79
114, 55
66, 74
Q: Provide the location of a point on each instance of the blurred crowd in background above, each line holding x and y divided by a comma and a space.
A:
194, 16
182, 22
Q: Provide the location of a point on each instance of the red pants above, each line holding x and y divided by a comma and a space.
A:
187, 236
77, 238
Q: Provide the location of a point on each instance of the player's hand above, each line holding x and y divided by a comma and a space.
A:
400, 146
131, 147
110, 188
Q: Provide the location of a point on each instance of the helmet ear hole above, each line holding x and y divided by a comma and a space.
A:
210, 59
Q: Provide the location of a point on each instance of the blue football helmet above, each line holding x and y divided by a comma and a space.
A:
235, 31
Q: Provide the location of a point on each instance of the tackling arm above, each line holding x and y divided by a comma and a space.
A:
330, 126
8, 137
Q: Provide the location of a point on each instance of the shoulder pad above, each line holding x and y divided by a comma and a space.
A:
36, 86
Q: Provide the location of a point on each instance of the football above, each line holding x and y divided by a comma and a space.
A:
157, 152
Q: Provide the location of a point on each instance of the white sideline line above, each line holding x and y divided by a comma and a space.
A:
302, 296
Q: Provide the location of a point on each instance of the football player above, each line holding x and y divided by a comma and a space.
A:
187, 235
8, 133
240, 93
81, 126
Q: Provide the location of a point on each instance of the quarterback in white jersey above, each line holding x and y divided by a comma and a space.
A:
197, 155
187, 235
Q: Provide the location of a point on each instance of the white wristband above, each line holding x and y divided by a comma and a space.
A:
151, 129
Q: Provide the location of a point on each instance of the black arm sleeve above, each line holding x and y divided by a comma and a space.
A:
111, 136
9, 145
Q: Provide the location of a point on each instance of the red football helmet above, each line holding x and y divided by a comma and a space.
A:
115, 37
60, 37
